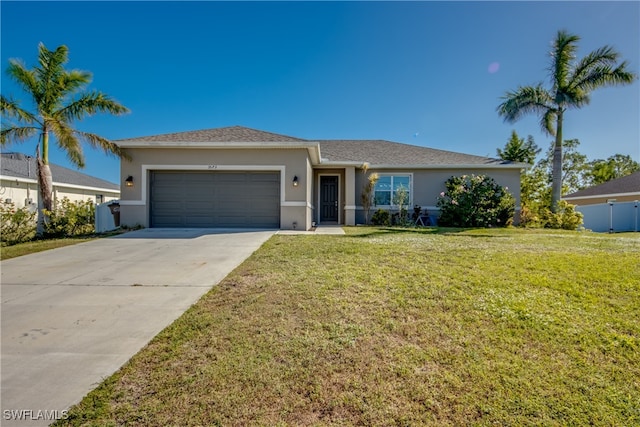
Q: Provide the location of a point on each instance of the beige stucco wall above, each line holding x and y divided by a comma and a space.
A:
21, 191
427, 184
295, 203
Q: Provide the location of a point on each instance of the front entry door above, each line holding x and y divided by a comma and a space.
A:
328, 199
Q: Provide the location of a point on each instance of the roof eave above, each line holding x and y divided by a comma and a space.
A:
601, 195
449, 166
215, 144
59, 184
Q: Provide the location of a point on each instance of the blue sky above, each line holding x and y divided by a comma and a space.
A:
424, 73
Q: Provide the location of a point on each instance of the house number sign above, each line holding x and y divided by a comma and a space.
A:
212, 167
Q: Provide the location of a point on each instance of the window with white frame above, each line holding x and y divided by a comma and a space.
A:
386, 189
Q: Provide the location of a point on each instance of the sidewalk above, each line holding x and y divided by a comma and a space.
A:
321, 229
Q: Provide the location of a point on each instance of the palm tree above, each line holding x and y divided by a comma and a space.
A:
58, 99
571, 84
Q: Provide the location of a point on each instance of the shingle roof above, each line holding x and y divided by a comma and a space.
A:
226, 134
380, 152
626, 184
18, 165
374, 152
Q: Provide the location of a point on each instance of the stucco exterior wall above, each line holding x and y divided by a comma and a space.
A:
20, 192
295, 203
427, 184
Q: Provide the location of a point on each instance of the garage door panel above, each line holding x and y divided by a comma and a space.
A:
214, 199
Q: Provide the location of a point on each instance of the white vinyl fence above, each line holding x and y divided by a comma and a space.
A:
105, 220
611, 217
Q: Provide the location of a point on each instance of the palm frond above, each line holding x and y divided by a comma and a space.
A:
525, 100
562, 56
548, 120
104, 144
10, 109
67, 140
602, 56
24, 77
74, 80
50, 75
89, 104
605, 75
16, 134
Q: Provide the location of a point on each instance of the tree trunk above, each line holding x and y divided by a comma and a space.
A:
45, 185
556, 172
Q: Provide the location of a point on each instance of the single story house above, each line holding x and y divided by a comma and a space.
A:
19, 183
625, 189
241, 177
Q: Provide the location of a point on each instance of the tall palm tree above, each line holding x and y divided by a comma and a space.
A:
571, 84
58, 100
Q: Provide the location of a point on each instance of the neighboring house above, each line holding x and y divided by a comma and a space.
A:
19, 183
625, 189
610, 206
241, 177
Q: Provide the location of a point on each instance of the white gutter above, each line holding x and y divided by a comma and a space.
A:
599, 196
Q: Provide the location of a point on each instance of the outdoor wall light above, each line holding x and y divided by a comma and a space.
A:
129, 181
295, 181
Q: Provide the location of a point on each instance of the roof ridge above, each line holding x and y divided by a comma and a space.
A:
218, 131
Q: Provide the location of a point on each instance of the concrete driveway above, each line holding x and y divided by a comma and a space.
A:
72, 316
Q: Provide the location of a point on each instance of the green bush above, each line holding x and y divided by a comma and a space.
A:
381, 217
16, 225
401, 199
538, 215
71, 219
565, 218
475, 201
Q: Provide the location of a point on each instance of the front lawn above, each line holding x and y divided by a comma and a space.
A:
399, 327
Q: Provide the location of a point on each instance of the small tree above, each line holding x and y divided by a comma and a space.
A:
475, 201
615, 166
517, 150
401, 199
367, 194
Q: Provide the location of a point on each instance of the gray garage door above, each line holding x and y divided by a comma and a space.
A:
215, 199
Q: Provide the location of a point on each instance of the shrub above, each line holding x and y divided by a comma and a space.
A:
401, 199
367, 195
475, 201
529, 217
539, 215
566, 217
71, 219
381, 217
16, 225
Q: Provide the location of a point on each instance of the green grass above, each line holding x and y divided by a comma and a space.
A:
34, 246
20, 249
399, 327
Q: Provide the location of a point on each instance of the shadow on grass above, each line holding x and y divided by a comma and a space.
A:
373, 231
